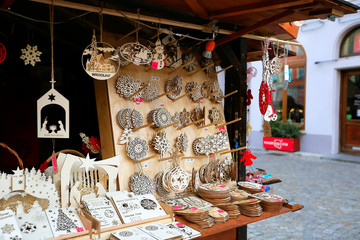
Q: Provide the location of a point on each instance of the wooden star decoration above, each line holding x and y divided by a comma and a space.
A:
18, 172
87, 162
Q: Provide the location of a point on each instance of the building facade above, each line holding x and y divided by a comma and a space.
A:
329, 94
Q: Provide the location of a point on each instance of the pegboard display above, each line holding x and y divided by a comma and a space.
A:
164, 110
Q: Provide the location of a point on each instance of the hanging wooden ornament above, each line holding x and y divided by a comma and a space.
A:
174, 83
219, 93
197, 114
215, 115
263, 97
151, 93
126, 86
98, 60
122, 62
53, 115
187, 58
137, 149
158, 56
2, 52
182, 142
126, 136
161, 144
140, 183
266, 76
136, 53
30, 55
175, 52
276, 64
159, 185
52, 107
190, 86
184, 117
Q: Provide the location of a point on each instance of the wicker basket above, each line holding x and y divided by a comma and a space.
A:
21, 164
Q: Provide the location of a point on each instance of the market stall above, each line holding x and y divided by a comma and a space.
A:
171, 96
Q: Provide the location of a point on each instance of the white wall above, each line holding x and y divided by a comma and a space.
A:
321, 40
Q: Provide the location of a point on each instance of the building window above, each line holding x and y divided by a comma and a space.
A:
292, 99
350, 45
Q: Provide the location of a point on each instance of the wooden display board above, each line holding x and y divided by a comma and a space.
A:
112, 103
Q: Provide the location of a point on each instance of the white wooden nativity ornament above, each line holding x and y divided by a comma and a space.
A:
53, 115
84, 178
100, 60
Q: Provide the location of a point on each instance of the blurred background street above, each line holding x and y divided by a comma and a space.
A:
327, 186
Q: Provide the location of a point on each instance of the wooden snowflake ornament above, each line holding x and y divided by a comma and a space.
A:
161, 144
137, 149
30, 55
182, 143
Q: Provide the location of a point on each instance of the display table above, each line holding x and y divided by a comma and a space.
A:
228, 230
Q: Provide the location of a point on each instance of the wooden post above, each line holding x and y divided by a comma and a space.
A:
284, 106
235, 105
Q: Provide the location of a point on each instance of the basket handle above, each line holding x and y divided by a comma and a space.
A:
21, 164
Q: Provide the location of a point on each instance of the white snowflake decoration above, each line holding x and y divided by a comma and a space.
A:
30, 55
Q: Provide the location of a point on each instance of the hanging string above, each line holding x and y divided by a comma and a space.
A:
52, 42
137, 25
101, 25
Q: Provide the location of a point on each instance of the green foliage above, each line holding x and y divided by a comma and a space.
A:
284, 130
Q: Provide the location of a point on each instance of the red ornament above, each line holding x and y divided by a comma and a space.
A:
263, 97
2, 52
247, 157
249, 96
210, 46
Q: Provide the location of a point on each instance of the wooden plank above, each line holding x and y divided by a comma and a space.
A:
327, 12
254, 27
238, 222
256, 7
135, 16
198, 8
104, 119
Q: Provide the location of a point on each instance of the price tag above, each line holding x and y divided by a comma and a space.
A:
222, 128
193, 208
145, 165
220, 211
179, 224
154, 65
137, 101
155, 78
54, 164
189, 160
177, 207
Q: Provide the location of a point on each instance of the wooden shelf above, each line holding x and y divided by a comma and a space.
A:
237, 222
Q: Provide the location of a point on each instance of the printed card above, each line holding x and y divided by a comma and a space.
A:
102, 209
132, 208
34, 226
131, 234
64, 221
8, 226
161, 231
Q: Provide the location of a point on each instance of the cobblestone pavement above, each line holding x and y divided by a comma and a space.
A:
329, 191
